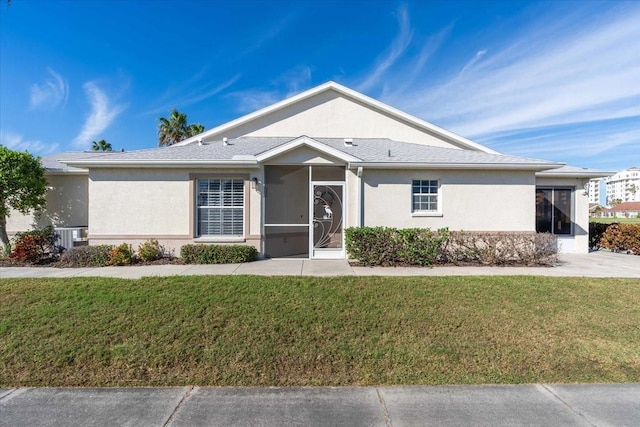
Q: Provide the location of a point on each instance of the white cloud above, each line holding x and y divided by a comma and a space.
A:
295, 79
572, 71
53, 92
395, 51
416, 65
190, 95
101, 116
563, 85
17, 142
473, 60
254, 99
289, 83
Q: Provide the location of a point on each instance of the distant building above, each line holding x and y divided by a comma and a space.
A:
597, 210
623, 210
595, 186
623, 186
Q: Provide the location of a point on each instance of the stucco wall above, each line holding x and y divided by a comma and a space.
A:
470, 200
139, 202
133, 205
330, 115
579, 242
66, 205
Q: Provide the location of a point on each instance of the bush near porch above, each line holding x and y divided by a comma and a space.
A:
424, 247
217, 254
615, 237
622, 238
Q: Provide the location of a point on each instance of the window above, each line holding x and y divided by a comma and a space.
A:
553, 210
220, 207
424, 196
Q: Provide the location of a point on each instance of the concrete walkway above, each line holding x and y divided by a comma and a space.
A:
489, 405
595, 264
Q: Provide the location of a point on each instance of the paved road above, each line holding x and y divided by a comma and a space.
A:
595, 264
490, 405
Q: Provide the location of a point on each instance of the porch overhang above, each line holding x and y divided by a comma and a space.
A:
305, 141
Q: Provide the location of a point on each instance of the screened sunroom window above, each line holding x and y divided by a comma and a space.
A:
424, 195
553, 210
220, 207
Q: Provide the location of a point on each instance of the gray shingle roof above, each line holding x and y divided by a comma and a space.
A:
575, 172
55, 162
369, 150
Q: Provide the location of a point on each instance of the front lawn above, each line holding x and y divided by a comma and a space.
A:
294, 331
618, 220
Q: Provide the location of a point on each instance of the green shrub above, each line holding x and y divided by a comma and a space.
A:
87, 256
217, 254
622, 238
150, 250
392, 246
121, 255
35, 246
596, 230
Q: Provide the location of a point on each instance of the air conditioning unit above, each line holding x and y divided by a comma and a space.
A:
68, 237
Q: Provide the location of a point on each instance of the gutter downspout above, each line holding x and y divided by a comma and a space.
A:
359, 197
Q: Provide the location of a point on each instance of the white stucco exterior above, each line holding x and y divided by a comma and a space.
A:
468, 200
142, 203
132, 197
67, 205
334, 116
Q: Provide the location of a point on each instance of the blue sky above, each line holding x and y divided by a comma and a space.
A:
554, 80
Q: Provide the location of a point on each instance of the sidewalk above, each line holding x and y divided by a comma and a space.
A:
485, 405
595, 264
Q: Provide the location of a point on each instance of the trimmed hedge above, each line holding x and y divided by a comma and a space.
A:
217, 254
87, 256
424, 247
622, 238
392, 246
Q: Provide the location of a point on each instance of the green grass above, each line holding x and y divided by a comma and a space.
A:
618, 220
292, 331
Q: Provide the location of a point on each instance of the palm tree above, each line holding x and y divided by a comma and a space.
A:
101, 145
174, 128
195, 129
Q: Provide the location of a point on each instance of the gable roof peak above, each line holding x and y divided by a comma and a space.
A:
354, 96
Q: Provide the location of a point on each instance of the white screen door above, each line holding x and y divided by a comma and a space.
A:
327, 220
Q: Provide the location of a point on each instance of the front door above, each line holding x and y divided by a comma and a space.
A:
327, 220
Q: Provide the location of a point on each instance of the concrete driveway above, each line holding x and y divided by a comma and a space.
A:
488, 405
595, 264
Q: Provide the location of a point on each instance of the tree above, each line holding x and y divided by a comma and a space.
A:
175, 128
615, 202
195, 129
101, 145
23, 187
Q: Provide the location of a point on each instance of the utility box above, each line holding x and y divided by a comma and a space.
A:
68, 237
